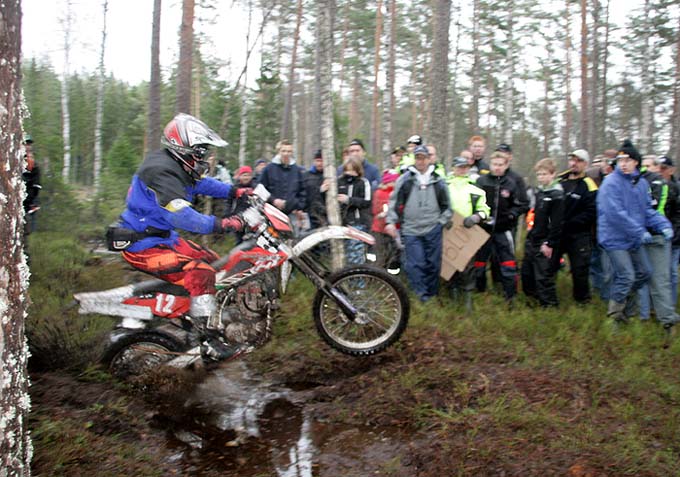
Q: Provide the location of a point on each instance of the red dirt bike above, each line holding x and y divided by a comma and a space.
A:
358, 310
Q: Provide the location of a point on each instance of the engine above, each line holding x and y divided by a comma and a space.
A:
247, 311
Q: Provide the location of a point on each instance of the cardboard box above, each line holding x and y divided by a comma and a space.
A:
459, 245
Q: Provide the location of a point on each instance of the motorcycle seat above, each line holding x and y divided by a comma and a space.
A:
159, 286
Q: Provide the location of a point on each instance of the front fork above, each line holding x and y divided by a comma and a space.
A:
316, 275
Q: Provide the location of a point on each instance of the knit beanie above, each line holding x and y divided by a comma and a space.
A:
629, 150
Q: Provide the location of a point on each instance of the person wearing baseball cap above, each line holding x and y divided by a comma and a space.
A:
672, 212
657, 292
396, 155
469, 201
521, 184
408, 159
420, 204
580, 193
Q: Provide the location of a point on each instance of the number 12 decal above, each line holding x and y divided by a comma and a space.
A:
164, 303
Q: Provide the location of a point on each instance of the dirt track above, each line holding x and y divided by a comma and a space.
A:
407, 412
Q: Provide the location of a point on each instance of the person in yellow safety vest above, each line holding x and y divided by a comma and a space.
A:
409, 158
469, 201
438, 166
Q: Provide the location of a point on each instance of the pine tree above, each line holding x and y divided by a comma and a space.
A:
100, 108
286, 123
153, 134
185, 67
15, 444
440, 74
66, 117
325, 36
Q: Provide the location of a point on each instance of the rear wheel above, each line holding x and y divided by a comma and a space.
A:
382, 308
138, 353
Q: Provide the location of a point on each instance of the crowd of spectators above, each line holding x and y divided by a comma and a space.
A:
614, 219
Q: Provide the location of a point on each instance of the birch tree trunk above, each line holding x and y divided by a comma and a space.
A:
343, 47
646, 85
315, 127
675, 130
388, 94
413, 99
186, 48
100, 109
325, 47
65, 115
452, 96
602, 129
568, 114
153, 132
374, 142
584, 75
440, 74
476, 67
354, 119
243, 137
15, 444
594, 78
288, 100
546, 111
508, 92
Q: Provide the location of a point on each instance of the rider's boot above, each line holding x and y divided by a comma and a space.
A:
203, 312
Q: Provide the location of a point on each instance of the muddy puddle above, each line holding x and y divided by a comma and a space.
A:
238, 424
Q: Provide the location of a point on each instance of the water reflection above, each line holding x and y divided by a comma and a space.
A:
261, 415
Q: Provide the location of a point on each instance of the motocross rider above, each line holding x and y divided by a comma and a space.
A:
159, 201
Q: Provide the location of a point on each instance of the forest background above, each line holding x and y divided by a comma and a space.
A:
546, 76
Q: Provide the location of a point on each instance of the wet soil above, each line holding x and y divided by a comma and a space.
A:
332, 416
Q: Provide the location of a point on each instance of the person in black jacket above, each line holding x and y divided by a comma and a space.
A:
672, 212
503, 196
31, 178
354, 195
656, 292
580, 214
541, 249
316, 206
285, 181
478, 167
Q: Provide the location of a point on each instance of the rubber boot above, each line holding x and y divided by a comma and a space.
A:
615, 312
203, 312
468, 302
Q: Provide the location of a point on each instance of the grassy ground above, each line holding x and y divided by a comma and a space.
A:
520, 391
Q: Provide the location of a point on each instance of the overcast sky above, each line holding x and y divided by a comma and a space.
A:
129, 34
128, 43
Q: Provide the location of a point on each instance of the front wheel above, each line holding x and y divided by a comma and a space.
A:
382, 308
138, 353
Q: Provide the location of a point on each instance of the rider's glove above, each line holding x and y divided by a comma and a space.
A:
647, 238
244, 191
471, 220
228, 224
